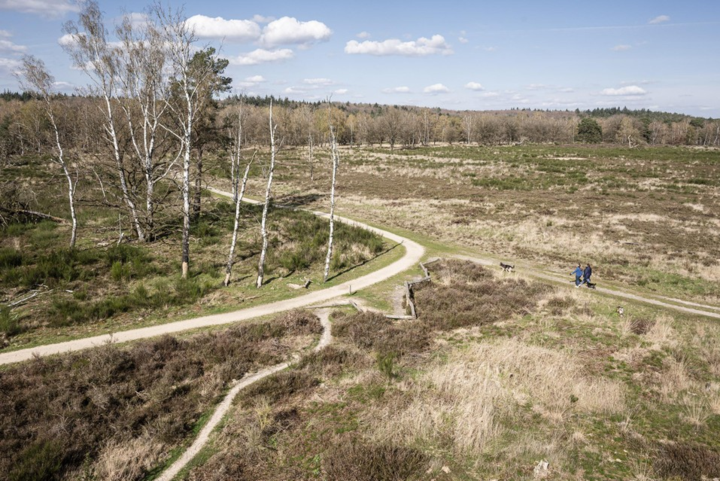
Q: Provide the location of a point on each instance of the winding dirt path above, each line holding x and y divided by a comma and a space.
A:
413, 254
224, 406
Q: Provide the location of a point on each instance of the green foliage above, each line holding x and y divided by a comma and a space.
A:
386, 364
8, 322
41, 461
589, 131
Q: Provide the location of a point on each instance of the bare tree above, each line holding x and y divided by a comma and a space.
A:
263, 224
88, 47
35, 77
238, 190
141, 63
335, 164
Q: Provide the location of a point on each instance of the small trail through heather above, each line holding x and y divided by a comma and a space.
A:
222, 409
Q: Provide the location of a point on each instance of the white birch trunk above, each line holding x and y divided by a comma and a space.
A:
187, 144
263, 224
335, 162
238, 201
312, 161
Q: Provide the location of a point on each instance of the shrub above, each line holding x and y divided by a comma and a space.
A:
8, 322
369, 330
364, 462
41, 461
687, 461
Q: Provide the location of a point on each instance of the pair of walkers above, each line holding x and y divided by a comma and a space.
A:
582, 276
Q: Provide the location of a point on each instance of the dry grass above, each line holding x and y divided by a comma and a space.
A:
461, 402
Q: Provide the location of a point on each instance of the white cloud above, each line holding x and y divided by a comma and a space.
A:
567, 89
10, 65
490, 49
536, 87
288, 30
251, 81
473, 86
44, 8
6, 46
5, 34
218, 27
318, 81
293, 90
621, 48
488, 95
68, 40
340, 91
632, 90
415, 48
262, 19
363, 35
659, 19
436, 89
397, 90
262, 56
463, 40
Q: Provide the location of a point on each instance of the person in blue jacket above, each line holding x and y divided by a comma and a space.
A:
586, 275
578, 275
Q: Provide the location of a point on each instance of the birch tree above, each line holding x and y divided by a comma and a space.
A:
141, 65
335, 164
263, 222
86, 43
237, 187
35, 77
190, 83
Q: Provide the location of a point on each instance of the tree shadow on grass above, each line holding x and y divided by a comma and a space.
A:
348, 269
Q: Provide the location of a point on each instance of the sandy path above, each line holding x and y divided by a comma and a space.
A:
703, 310
224, 406
413, 254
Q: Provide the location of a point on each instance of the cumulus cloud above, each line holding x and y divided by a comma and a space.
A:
44, 8
397, 90
251, 81
340, 91
363, 35
6, 46
567, 89
318, 81
5, 34
68, 40
463, 40
10, 65
436, 89
659, 19
621, 48
415, 48
262, 56
473, 86
288, 30
630, 90
218, 27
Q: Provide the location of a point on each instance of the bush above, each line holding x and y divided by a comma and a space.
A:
687, 461
8, 322
363, 462
41, 461
369, 330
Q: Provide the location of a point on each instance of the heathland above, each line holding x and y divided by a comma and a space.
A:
498, 374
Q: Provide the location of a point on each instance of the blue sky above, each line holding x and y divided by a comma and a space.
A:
662, 55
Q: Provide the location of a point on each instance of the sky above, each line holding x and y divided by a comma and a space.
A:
460, 55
